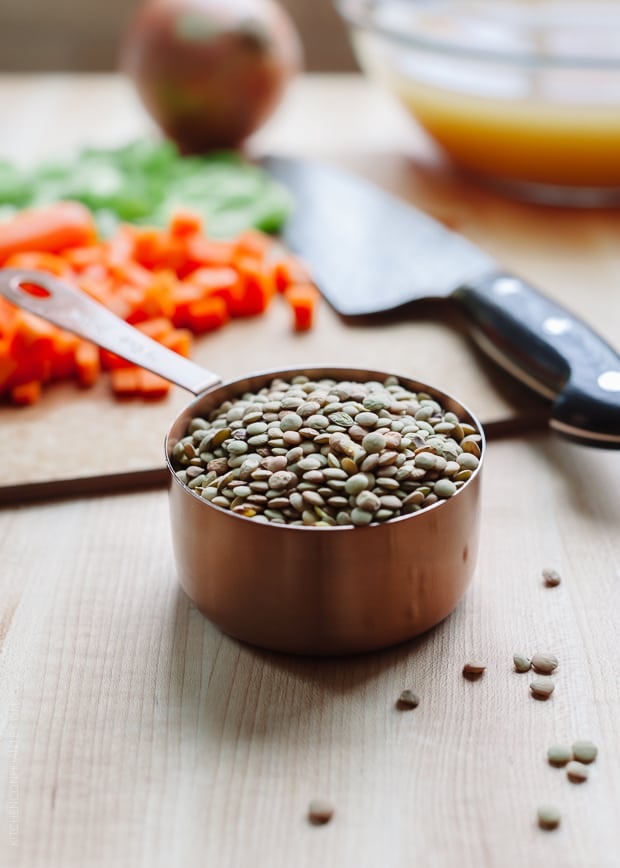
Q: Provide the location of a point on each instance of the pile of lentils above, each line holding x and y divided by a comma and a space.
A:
327, 453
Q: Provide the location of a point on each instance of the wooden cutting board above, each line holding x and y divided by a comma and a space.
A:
77, 440
83, 435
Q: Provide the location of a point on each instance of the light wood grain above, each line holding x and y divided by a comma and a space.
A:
136, 734
133, 733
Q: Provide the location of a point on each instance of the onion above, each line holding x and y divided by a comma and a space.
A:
210, 73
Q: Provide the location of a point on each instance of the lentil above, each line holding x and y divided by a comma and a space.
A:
408, 699
548, 817
320, 812
585, 751
522, 664
542, 688
473, 669
559, 755
544, 663
551, 577
577, 772
336, 453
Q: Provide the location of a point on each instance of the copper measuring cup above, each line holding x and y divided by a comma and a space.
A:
306, 590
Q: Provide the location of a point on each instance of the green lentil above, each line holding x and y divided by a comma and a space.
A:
373, 442
357, 483
559, 754
291, 422
360, 517
521, 662
366, 419
584, 751
327, 453
542, 688
320, 812
545, 664
425, 460
408, 699
548, 817
444, 488
474, 669
577, 772
551, 577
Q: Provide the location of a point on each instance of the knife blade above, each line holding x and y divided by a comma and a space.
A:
371, 253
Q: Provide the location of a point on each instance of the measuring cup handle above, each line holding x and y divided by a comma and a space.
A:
65, 306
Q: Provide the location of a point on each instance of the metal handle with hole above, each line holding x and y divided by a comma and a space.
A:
65, 306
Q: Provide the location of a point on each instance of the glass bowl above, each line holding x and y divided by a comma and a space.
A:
523, 94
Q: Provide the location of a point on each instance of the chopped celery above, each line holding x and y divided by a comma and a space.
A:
144, 181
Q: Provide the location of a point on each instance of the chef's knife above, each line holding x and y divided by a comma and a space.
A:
371, 253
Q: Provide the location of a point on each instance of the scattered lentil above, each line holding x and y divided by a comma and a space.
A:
577, 772
522, 663
343, 453
408, 699
559, 754
542, 688
585, 751
548, 817
473, 669
545, 664
551, 577
320, 812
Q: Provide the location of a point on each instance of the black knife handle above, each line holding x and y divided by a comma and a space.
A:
550, 350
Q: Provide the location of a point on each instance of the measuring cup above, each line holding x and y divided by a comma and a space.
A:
297, 589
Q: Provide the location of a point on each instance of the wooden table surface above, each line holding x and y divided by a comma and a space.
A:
133, 733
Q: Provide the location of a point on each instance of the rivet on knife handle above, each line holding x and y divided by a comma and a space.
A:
552, 351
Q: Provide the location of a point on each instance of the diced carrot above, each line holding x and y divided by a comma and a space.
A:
252, 243
105, 292
112, 362
87, 363
8, 364
132, 382
131, 272
157, 249
183, 296
42, 261
120, 249
8, 318
169, 282
32, 336
126, 381
185, 222
258, 289
208, 251
26, 393
80, 258
133, 300
152, 386
63, 360
287, 271
156, 328
223, 282
49, 229
149, 246
303, 299
154, 300
211, 279
179, 340
207, 314
97, 285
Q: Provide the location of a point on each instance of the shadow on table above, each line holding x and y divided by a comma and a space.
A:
588, 478
232, 691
